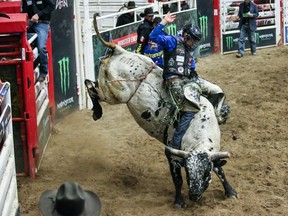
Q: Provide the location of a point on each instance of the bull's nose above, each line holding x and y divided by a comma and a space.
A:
195, 197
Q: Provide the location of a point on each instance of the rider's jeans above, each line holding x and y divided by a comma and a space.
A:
183, 124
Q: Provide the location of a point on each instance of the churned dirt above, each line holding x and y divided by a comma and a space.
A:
116, 159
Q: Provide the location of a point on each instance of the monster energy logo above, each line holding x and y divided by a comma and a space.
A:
64, 74
204, 26
171, 29
229, 42
257, 38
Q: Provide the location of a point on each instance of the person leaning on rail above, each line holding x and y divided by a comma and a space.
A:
126, 18
39, 13
144, 29
154, 50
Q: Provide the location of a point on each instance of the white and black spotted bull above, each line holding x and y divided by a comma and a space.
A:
126, 77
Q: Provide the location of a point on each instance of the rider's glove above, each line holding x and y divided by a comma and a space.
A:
193, 74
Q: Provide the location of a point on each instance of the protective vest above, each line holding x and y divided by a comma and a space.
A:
177, 62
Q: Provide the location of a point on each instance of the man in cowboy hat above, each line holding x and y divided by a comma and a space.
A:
144, 29
126, 18
69, 200
154, 50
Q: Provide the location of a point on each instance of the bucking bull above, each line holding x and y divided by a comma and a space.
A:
126, 77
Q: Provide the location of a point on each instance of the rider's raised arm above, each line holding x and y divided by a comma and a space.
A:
167, 41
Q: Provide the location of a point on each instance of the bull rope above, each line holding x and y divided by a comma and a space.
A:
107, 82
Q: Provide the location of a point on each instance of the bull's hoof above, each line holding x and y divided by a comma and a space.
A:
177, 205
232, 194
180, 204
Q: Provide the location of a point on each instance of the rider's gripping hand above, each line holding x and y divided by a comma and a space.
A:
193, 74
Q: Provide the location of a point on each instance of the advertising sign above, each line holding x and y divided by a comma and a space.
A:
64, 59
205, 22
265, 37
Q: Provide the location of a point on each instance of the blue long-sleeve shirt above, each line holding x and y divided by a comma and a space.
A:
168, 42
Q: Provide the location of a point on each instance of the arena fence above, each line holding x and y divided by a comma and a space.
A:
268, 24
9, 205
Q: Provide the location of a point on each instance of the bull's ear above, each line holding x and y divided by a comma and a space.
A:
219, 163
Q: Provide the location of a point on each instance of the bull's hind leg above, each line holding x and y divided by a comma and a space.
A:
175, 170
229, 191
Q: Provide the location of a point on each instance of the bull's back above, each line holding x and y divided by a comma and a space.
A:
203, 133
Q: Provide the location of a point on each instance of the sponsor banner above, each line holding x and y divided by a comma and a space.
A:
126, 36
185, 17
206, 24
64, 59
266, 37
126, 40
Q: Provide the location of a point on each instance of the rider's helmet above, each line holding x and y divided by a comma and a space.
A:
191, 32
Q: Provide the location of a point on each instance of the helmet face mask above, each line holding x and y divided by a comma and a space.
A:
192, 36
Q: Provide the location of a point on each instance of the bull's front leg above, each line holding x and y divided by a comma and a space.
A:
229, 191
175, 170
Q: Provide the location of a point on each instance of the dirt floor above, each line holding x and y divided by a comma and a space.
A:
116, 159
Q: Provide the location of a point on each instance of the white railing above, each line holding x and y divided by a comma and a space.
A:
9, 204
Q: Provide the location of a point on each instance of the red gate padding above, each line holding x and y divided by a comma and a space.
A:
217, 31
10, 7
17, 53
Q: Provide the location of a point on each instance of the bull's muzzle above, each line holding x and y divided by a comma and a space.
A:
93, 94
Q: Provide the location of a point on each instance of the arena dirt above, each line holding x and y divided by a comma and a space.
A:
116, 159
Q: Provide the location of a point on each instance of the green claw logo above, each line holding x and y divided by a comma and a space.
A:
229, 42
171, 29
64, 74
204, 26
257, 38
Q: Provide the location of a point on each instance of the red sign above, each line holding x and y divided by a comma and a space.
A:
126, 40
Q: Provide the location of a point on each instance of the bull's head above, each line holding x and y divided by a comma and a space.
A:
198, 167
92, 91
91, 86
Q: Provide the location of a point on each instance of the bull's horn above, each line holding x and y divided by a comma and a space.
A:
105, 43
176, 152
218, 155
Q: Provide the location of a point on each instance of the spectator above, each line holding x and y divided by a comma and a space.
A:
183, 5
39, 13
165, 7
128, 17
248, 11
144, 29
69, 200
154, 50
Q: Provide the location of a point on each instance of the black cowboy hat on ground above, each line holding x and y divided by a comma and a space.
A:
69, 200
131, 5
148, 12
